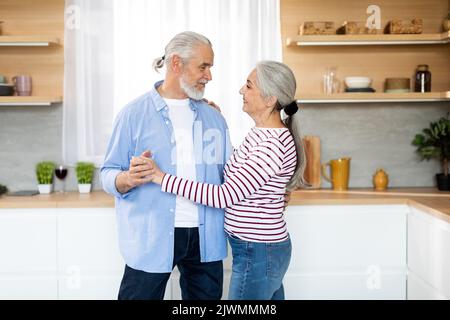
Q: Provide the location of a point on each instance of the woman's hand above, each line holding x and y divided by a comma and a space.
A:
212, 104
156, 175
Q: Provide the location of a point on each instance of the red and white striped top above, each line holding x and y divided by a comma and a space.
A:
255, 183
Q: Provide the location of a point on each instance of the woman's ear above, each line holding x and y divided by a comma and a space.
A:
271, 101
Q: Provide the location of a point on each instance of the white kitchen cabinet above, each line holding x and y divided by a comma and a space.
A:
28, 254
89, 262
27, 240
28, 286
347, 252
418, 289
59, 254
428, 256
345, 285
89, 287
339, 252
84, 237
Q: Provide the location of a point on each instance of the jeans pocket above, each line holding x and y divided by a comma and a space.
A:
278, 258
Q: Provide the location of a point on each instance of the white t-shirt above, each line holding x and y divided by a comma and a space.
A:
182, 117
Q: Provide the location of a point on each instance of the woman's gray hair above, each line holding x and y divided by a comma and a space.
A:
183, 45
275, 79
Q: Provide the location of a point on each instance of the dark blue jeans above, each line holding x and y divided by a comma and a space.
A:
198, 281
258, 269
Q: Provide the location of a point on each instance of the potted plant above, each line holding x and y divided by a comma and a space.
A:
435, 143
44, 174
3, 189
85, 172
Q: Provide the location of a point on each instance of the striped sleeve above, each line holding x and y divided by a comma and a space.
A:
264, 162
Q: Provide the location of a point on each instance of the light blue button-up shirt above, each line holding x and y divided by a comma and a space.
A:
145, 215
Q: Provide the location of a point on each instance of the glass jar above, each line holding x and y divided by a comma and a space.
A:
330, 82
422, 79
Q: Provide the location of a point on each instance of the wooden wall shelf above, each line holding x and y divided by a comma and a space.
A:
374, 97
29, 101
32, 43
28, 41
367, 39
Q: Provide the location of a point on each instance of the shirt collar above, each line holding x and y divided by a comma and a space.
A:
159, 101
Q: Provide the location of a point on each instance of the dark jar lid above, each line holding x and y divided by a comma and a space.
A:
422, 67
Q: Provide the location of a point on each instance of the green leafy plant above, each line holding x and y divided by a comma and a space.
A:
85, 172
435, 142
44, 172
3, 189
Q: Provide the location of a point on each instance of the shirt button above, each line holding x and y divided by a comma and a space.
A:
167, 122
171, 210
170, 233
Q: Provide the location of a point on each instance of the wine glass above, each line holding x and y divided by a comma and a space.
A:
61, 173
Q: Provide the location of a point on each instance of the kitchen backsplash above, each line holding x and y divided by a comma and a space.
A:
373, 135
29, 135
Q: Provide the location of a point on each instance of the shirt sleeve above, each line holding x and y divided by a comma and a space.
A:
117, 157
262, 163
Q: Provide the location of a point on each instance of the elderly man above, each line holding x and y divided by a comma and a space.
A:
188, 138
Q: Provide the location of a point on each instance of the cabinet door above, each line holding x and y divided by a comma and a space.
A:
343, 285
418, 289
429, 250
347, 252
27, 240
89, 262
28, 287
28, 254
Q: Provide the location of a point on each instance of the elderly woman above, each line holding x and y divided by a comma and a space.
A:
270, 161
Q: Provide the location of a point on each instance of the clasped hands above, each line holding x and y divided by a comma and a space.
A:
143, 169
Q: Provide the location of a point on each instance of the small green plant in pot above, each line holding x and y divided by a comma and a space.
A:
85, 173
3, 189
44, 175
434, 143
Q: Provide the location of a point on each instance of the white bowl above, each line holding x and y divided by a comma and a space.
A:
357, 82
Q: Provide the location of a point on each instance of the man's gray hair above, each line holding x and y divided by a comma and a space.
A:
275, 79
182, 45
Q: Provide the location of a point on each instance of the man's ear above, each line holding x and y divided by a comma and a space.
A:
176, 64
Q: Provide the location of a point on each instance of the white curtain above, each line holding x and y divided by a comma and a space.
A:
88, 79
242, 32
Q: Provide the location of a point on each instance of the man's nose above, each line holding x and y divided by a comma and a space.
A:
208, 75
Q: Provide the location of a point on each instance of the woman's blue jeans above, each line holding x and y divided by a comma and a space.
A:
258, 269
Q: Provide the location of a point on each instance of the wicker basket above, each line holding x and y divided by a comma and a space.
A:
317, 28
355, 27
398, 26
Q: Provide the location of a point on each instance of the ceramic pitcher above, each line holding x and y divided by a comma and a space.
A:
340, 173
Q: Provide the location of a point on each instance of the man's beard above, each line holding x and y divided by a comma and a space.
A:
191, 91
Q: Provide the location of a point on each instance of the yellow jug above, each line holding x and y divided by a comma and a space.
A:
340, 173
380, 180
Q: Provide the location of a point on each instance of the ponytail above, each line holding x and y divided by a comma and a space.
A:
297, 179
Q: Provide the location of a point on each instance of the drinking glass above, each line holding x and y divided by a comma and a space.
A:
61, 174
330, 82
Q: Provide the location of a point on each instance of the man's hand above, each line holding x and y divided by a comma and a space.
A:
212, 104
138, 173
287, 198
